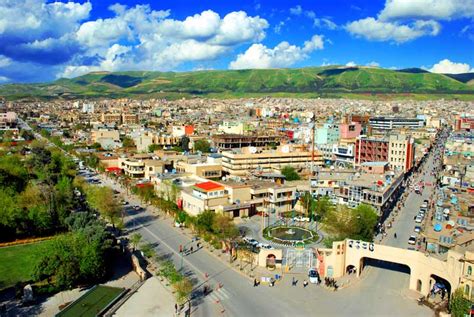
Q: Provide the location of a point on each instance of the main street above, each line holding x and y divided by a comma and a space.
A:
237, 297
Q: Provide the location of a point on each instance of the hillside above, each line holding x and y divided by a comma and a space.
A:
311, 81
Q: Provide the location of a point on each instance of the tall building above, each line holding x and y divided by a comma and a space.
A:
370, 150
401, 152
391, 123
327, 134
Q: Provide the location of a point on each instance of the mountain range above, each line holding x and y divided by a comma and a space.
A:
299, 82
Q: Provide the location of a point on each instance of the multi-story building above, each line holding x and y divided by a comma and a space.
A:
204, 196
182, 130
327, 134
391, 123
232, 141
111, 118
370, 150
350, 130
8, 121
130, 118
401, 152
464, 122
241, 162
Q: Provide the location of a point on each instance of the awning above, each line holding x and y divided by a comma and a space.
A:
113, 169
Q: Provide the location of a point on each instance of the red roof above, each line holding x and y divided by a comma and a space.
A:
113, 169
209, 186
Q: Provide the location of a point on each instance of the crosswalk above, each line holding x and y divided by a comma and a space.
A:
218, 295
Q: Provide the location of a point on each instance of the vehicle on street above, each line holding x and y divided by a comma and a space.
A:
424, 205
124, 202
178, 224
418, 219
417, 229
417, 189
265, 246
251, 241
412, 240
313, 276
301, 219
137, 208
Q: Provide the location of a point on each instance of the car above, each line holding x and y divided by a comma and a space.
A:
418, 219
424, 205
417, 189
137, 208
412, 240
301, 219
417, 229
313, 276
251, 241
124, 202
264, 246
178, 224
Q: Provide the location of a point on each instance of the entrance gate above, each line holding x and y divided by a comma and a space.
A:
299, 259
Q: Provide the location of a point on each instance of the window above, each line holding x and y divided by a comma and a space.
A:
467, 290
469, 270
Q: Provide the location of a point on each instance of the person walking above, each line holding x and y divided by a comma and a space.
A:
305, 283
176, 308
255, 283
395, 235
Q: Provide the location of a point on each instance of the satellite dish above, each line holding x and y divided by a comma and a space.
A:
253, 150
285, 149
237, 201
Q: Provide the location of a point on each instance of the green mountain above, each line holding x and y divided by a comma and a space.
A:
310, 82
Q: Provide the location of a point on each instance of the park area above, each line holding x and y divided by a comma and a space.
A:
93, 302
17, 262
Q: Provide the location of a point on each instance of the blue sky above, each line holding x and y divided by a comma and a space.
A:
43, 40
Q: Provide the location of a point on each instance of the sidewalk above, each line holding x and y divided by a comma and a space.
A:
151, 300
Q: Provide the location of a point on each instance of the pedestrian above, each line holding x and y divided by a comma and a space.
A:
395, 235
191, 250
305, 283
293, 281
180, 248
255, 283
176, 308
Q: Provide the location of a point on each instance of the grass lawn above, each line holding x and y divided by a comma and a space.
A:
92, 302
17, 262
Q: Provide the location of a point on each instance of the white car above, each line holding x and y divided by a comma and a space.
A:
424, 205
301, 219
412, 240
251, 241
313, 276
418, 219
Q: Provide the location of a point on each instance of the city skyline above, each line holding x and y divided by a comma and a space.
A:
43, 40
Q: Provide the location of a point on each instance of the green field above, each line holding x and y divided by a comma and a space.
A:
311, 82
92, 302
17, 262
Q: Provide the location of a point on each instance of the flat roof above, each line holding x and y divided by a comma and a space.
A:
208, 186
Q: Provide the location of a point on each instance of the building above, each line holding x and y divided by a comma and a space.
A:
327, 134
107, 138
350, 130
233, 141
130, 118
370, 150
111, 118
182, 130
343, 154
391, 123
242, 161
8, 121
204, 196
401, 152
378, 190
464, 123
200, 169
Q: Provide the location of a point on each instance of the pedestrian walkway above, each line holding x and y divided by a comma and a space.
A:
219, 295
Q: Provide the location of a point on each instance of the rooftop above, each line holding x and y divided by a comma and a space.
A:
208, 186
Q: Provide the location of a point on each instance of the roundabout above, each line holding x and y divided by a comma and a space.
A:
290, 235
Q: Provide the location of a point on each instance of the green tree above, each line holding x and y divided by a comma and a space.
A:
154, 147
365, 218
459, 306
290, 173
323, 206
205, 220
135, 239
102, 199
183, 289
308, 203
127, 142
202, 146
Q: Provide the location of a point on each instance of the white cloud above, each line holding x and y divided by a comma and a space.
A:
324, 23
277, 28
377, 30
296, 10
282, 55
4, 61
4, 79
427, 9
447, 67
351, 64
373, 64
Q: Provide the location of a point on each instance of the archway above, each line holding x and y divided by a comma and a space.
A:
439, 287
350, 269
386, 265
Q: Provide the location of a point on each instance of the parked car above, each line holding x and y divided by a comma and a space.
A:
137, 208
265, 246
251, 241
313, 276
418, 219
412, 240
301, 219
178, 224
417, 229
124, 202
